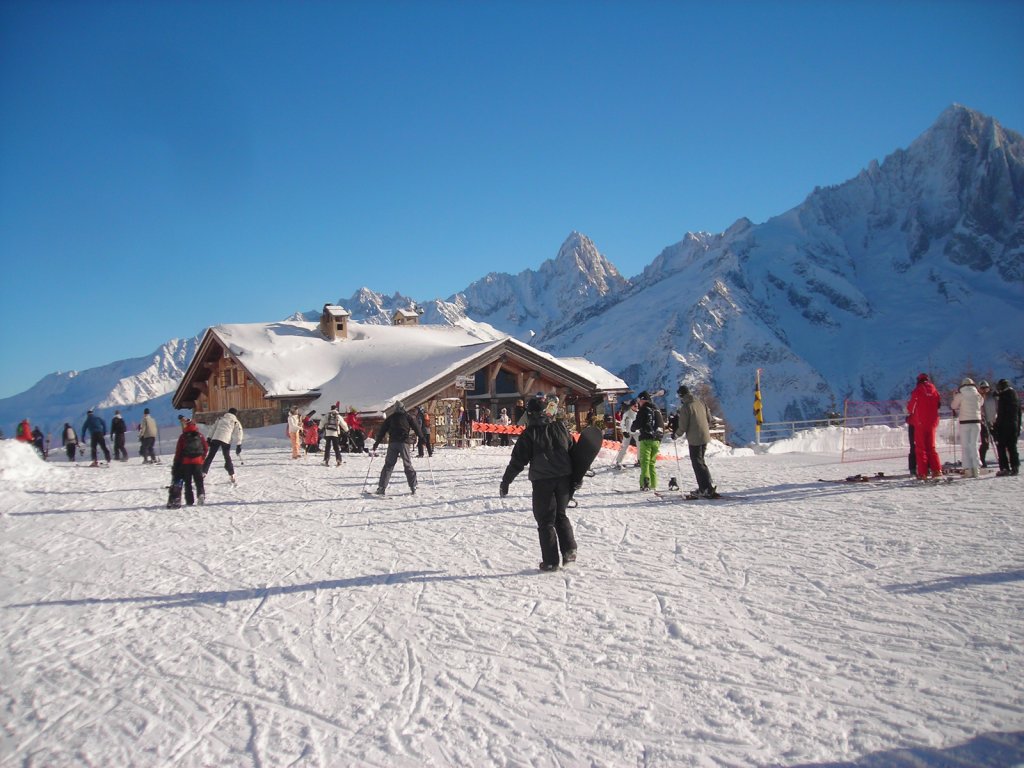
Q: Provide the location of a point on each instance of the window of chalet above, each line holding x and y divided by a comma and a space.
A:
231, 377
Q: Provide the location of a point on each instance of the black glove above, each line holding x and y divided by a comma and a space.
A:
238, 450
374, 449
503, 489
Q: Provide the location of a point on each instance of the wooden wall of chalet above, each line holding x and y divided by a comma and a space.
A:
230, 387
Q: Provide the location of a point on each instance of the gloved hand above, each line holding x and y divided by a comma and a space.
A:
503, 489
238, 450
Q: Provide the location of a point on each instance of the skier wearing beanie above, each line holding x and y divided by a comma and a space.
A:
967, 406
923, 408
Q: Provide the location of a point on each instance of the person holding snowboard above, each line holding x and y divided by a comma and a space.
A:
693, 421
226, 429
95, 428
923, 408
649, 424
545, 445
397, 427
187, 468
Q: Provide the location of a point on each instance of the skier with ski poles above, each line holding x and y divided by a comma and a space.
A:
694, 423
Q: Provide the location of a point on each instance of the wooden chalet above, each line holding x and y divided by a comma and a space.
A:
262, 369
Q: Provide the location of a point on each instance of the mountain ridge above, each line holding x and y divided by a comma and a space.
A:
846, 295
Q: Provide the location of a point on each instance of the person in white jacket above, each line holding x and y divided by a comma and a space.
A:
225, 430
333, 425
294, 430
628, 438
967, 404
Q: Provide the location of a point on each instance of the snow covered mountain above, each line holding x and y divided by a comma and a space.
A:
915, 264
126, 385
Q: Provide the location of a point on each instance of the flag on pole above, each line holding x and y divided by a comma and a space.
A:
758, 415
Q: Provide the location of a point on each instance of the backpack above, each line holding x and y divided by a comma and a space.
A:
332, 421
193, 445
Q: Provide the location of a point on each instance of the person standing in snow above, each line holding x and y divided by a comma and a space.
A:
649, 424
356, 433
39, 442
95, 429
23, 432
988, 417
628, 436
694, 423
117, 432
923, 408
294, 430
187, 467
1007, 428
423, 443
334, 425
967, 404
545, 446
226, 429
147, 437
397, 427
504, 420
69, 439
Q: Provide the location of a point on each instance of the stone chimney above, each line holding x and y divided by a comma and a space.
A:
334, 322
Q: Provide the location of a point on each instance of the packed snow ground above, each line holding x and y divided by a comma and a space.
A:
293, 622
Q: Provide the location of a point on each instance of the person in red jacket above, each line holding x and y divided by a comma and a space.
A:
923, 410
189, 454
24, 432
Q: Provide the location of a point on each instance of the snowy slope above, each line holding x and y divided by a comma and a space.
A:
291, 621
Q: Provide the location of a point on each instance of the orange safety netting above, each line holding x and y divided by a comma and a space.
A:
501, 429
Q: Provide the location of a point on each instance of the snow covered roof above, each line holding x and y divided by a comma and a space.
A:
378, 364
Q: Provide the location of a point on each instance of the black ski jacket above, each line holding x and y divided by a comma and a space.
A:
545, 446
397, 427
1007, 424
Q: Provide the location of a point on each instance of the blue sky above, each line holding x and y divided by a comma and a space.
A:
165, 166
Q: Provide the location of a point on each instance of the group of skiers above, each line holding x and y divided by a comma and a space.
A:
643, 426
983, 417
339, 432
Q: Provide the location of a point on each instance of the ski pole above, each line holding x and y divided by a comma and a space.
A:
367, 478
679, 471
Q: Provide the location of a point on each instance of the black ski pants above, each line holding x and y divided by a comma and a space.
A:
700, 467
550, 499
98, 441
335, 441
224, 448
120, 452
148, 454
189, 474
1006, 449
397, 448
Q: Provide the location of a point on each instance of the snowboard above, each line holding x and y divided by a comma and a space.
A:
174, 494
584, 453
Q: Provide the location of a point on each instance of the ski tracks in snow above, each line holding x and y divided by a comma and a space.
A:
292, 621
